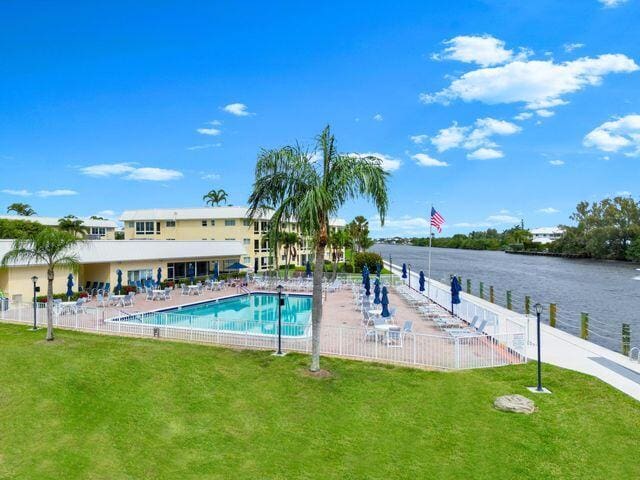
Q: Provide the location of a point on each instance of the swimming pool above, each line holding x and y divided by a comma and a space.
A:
256, 314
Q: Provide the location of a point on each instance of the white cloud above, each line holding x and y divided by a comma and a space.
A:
61, 192
237, 109
210, 176
204, 146
483, 50
425, 160
419, 139
485, 154
387, 162
548, 210
502, 219
523, 116
570, 47
612, 3
405, 225
543, 112
154, 174
448, 138
621, 135
556, 163
107, 169
539, 84
490, 221
477, 137
19, 193
209, 131
623, 193
129, 172
378, 118
106, 213
606, 158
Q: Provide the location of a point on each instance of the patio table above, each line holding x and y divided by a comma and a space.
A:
158, 294
384, 330
192, 289
117, 300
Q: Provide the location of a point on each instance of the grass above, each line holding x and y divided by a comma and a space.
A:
89, 406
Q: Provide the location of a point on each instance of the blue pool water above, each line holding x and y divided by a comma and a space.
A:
256, 313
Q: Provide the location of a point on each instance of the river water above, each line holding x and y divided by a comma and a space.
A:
609, 291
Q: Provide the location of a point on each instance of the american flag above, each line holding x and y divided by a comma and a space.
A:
436, 220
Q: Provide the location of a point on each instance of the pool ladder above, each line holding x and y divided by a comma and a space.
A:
634, 354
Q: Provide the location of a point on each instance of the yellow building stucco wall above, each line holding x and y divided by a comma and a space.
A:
18, 281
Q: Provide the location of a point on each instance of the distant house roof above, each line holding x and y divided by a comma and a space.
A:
53, 221
199, 213
107, 251
547, 231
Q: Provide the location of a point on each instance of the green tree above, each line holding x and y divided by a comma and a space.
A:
22, 209
49, 247
338, 241
359, 230
215, 197
296, 185
73, 225
11, 229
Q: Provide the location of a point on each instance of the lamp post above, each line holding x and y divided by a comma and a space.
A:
36, 289
409, 267
390, 265
279, 289
539, 388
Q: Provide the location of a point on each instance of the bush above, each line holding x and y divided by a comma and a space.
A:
369, 259
62, 296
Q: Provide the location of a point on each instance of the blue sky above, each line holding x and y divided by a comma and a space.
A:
492, 110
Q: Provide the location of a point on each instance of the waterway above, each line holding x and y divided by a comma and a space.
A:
608, 291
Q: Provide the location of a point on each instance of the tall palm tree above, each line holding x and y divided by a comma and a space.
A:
214, 197
22, 209
73, 225
296, 185
53, 248
290, 241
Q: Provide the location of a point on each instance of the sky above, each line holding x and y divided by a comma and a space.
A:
493, 111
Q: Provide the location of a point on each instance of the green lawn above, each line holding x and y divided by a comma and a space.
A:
89, 406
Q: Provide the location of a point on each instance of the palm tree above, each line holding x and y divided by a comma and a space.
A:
22, 209
214, 197
73, 225
338, 240
290, 240
53, 248
296, 185
359, 230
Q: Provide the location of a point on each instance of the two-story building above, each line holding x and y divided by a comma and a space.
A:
96, 229
216, 223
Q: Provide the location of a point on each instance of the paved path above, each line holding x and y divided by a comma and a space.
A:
565, 350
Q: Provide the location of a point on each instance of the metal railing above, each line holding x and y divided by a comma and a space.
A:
411, 349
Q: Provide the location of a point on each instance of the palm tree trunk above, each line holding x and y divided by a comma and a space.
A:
286, 268
316, 312
334, 273
50, 305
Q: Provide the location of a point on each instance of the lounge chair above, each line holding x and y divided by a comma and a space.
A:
107, 288
127, 301
185, 289
167, 293
149, 294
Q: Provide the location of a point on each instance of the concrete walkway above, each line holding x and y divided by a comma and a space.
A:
565, 350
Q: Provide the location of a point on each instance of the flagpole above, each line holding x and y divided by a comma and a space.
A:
430, 237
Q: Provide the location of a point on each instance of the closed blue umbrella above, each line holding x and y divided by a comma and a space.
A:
404, 270
367, 286
216, 272
159, 275
308, 269
70, 285
119, 283
385, 302
378, 270
149, 282
191, 273
455, 292
421, 281
376, 292
365, 273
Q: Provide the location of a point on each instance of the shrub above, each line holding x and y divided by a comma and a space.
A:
367, 258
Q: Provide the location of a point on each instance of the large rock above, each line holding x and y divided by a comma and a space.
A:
515, 404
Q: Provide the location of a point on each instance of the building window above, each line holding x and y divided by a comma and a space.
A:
228, 239
256, 227
204, 223
98, 231
246, 222
158, 228
246, 241
229, 223
170, 224
145, 228
246, 260
129, 224
139, 275
213, 222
